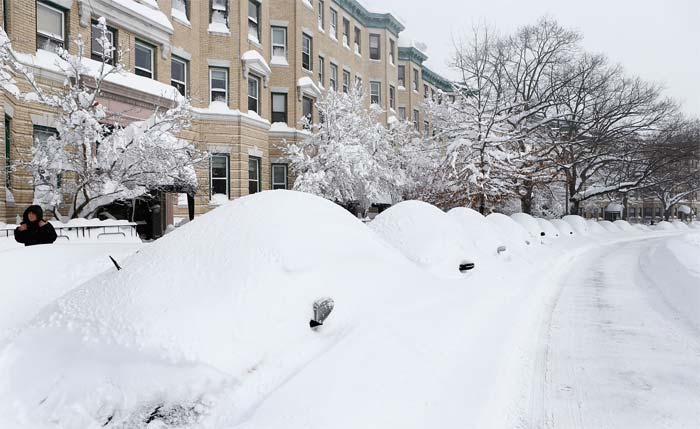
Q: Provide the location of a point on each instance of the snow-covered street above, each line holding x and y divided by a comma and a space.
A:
613, 352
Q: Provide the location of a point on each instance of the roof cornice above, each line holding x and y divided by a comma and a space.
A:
436, 80
371, 19
411, 54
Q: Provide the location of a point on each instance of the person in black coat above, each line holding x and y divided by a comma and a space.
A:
34, 229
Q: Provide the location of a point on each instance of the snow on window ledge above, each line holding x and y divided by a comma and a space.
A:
219, 28
180, 16
253, 61
218, 199
279, 61
308, 4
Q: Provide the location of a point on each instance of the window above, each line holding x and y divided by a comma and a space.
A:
416, 118
50, 27
321, 68
254, 94
219, 12
358, 83
5, 15
426, 91
321, 15
375, 50
145, 60
182, 6
96, 43
334, 24
402, 113
392, 97
279, 42
358, 40
279, 176
8, 155
306, 51
375, 90
426, 128
41, 136
402, 76
279, 107
334, 77
178, 75
415, 80
633, 212
218, 85
253, 21
346, 81
219, 175
346, 32
253, 174
307, 106
392, 48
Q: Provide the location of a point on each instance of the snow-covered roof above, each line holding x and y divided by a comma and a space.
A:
614, 208
253, 60
220, 111
307, 86
51, 62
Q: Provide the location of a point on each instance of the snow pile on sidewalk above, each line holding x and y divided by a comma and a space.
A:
674, 269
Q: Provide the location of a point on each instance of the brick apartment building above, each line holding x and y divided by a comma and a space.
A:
253, 69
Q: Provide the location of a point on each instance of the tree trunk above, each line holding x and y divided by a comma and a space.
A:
482, 204
624, 207
574, 206
526, 199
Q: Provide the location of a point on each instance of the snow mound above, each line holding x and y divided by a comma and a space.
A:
694, 224
198, 311
664, 226
427, 236
477, 229
563, 227
641, 227
679, 225
548, 228
529, 224
595, 228
517, 236
609, 226
578, 224
623, 225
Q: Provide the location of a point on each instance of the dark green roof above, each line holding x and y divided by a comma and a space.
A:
411, 54
436, 80
371, 19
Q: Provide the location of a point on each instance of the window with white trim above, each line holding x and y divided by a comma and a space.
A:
334, 77
402, 76
402, 113
375, 90
392, 48
178, 74
415, 79
279, 107
50, 27
279, 176
307, 108
253, 174
321, 14
279, 42
219, 174
306, 51
375, 49
416, 118
358, 40
346, 32
358, 83
254, 21
96, 43
334, 24
218, 85
392, 97
254, 94
145, 60
182, 6
346, 81
321, 70
219, 12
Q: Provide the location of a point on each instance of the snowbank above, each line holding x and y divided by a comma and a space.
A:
609, 226
679, 225
564, 227
200, 310
517, 236
664, 226
427, 236
623, 225
478, 230
673, 267
577, 223
529, 224
548, 228
595, 228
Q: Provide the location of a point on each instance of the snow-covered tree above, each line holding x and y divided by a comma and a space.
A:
92, 162
349, 157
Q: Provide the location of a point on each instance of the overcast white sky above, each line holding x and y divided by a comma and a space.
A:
658, 40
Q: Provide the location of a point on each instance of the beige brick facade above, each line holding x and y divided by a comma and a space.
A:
204, 46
